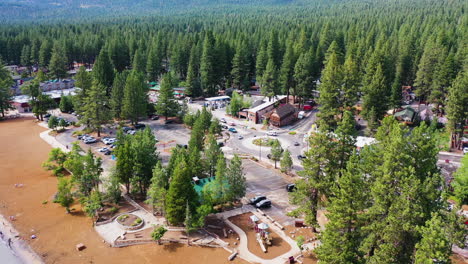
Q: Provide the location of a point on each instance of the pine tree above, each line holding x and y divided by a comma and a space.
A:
236, 179
118, 93
139, 62
240, 67
303, 77
103, 72
341, 238
45, 53
26, 56
166, 104
286, 161
262, 60
145, 158
211, 154
270, 80
319, 176
135, 97
276, 151
460, 182
426, 68
193, 74
118, 53
221, 183
286, 75
375, 95
351, 83
346, 139
330, 89
97, 109
157, 191
273, 49
5, 94
124, 154
179, 194
457, 103
84, 81
434, 246
153, 65
58, 62
208, 71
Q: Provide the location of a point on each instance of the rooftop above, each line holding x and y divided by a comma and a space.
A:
268, 103
53, 94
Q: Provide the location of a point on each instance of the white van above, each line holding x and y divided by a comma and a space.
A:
272, 133
301, 114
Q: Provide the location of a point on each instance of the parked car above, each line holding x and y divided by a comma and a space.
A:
182, 146
131, 132
296, 143
465, 150
108, 152
169, 121
291, 187
90, 140
222, 120
240, 137
224, 127
47, 115
263, 204
257, 199
272, 133
140, 126
155, 117
109, 141
231, 123
269, 156
301, 157
125, 129
233, 130
220, 144
102, 149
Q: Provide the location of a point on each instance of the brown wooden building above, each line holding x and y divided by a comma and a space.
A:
282, 115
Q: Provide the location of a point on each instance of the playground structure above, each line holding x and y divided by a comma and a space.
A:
262, 235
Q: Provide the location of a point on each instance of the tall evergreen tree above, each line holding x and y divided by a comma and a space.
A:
270, 80
262, 60
97, 110
179, 194
135, 97
118, 93
330, 89
45, 53
342, 235
139, 62
58, 62
286, 75
351, 83
153, 65
103, 71
208, 70
303, 76
166, 104
236, 179
193, 75
240, 66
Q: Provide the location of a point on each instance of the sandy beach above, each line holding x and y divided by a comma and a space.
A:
22, 152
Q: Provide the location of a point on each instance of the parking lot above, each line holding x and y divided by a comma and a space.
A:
262, 181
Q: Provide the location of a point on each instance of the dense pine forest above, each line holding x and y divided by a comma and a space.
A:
386, 204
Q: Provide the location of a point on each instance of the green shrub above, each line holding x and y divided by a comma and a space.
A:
292, 133
113, 210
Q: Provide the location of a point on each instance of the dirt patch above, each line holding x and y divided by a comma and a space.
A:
294, 232
216, 226
278, 247
22, 152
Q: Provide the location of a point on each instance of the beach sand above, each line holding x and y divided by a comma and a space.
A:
22, 152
